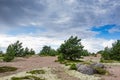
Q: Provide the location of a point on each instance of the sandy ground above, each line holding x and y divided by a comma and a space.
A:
113, 69
25, 64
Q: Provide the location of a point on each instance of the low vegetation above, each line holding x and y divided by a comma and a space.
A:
37, 72
71, 49
7, 69
73, 67
27, 78
111, 54
48, 51
101, 71
17, 50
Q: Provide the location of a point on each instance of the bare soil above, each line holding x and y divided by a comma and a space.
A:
25, 64
62, 75
114, 73
114, 70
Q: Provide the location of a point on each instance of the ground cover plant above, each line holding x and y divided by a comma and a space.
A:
7, 69
27, 78
37, 72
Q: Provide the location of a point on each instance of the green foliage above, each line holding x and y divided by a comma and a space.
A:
27, 78
7, 69
106, 53
71, 48
26, 51
10, 54
112, 53
37, 72
60, 58
101, 71
1, 54
73, 67
85, 53
108, 61
115, 51
47, 51
18, 48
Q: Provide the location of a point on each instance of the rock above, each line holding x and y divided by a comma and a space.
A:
78, 65
97, 65
89, 69
86, 69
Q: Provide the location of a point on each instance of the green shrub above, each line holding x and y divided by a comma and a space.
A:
27, 78
71, 49
8, 58
10, 54
37, 72
7, 69
60, 58
101, 71
112, 53
48, 51
73, 67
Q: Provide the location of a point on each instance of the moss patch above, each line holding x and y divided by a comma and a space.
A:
37, 72
73, 67
7, 69
26, 78
101, 71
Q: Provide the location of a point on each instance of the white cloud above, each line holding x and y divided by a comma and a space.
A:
60, 19
29, 41
36, 42
114, 29
96, 44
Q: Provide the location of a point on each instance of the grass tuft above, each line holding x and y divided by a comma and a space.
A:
73, 67
37, 72
7, 69
27, 78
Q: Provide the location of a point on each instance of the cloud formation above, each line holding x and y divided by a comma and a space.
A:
58, 18
29, 41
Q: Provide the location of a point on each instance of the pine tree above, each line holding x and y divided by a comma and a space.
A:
71, 49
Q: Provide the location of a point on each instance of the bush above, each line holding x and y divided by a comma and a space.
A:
112, 53
73, 67
47, 51
1, 54
28, 52
9, 56
100, 71
60, 57
7, 69
71, 49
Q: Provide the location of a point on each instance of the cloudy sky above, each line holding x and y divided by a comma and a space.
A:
49, 22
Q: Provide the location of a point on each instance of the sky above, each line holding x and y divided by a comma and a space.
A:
36, 23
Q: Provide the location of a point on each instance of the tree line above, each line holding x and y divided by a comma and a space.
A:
71, 49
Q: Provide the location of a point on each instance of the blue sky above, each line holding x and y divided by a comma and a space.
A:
49, 22
105, 32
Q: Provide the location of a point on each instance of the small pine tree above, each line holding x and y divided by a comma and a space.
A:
48, 51
85, 53
18, 49
10, 54
28, 51
112, 53
32, 52
71, 49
